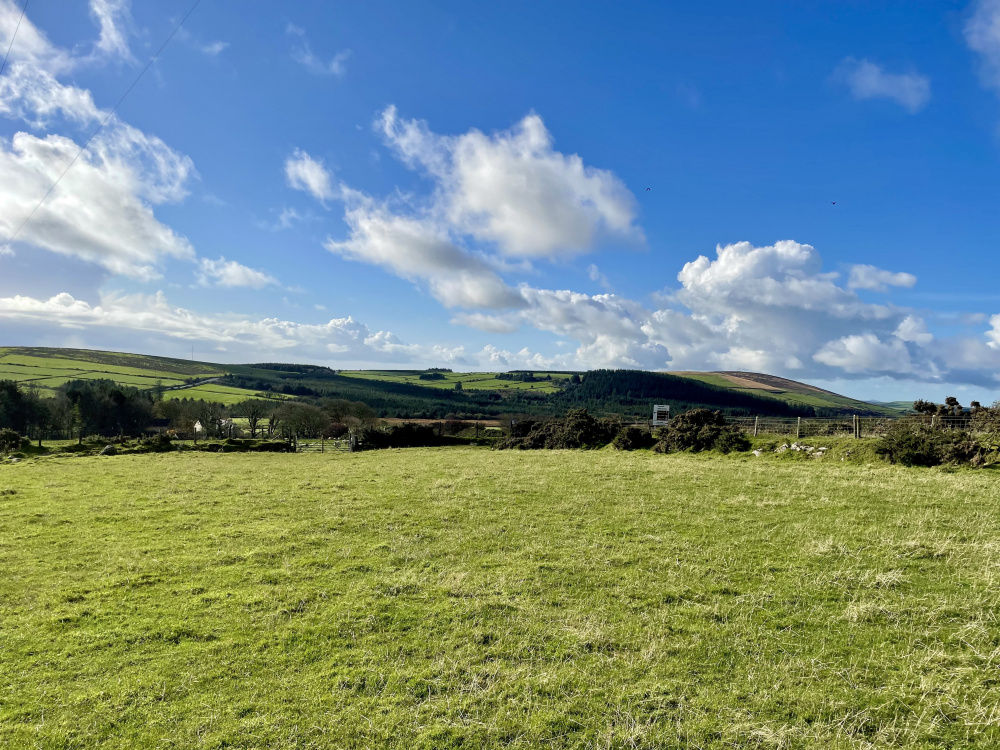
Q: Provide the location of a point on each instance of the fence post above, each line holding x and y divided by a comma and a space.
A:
755, 421
322, 443
798, 427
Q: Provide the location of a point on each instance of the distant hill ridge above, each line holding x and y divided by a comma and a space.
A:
404, 394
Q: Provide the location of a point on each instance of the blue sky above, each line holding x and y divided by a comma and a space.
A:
465, 185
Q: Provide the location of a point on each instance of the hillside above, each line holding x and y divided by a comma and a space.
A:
790, 391
46, 369
433, 394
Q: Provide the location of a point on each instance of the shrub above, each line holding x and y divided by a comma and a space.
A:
9, 441
632, 438
917, 444
732, 440
578, 429
406, 435
910, 445
700, 430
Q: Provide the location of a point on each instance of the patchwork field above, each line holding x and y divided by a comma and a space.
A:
222, 394
50, 368
444, 598
47, 369
481, 381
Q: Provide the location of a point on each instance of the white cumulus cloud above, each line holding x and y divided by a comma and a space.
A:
97, 212
102, 208
914, 329
417, 250
866, 353
993, 335
514, 189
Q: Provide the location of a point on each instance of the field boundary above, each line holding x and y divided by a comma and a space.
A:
859, 427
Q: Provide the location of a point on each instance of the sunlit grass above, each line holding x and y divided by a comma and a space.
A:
467, 598
222, 394
475, 381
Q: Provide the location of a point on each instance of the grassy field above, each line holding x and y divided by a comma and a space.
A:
222, 394
445, 598
476, 381
47, 369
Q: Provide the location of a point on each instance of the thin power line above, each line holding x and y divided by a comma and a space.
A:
99, 128
23, 7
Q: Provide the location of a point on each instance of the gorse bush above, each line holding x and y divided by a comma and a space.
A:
406, 435
732, 440
697, 430
10, 441
632, 438
578, 429
918, 444
700, 430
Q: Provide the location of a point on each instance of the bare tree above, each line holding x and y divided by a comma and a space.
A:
253, 410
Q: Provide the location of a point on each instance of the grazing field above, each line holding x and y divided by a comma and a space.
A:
47, 369
476, 381
444, 598
222, 394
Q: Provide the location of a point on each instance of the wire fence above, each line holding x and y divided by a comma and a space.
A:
854, 426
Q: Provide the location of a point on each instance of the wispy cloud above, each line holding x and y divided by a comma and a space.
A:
214, 48
114, 18
229, 273
305, 173
982, 33
878, 280
868, 80
597, 275
302, 53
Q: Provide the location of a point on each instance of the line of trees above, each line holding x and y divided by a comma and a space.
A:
81, 408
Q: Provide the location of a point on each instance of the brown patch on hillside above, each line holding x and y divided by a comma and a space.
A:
771, 383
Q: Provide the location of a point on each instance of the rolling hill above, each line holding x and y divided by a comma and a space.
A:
46, 369
434, 393
790, 391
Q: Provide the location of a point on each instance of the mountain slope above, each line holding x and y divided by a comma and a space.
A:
789, 391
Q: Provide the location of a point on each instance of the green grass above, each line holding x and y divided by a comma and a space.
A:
222, 394
444, 598
47, 369
477, 381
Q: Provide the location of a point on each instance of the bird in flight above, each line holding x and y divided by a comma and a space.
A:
647, 190
833, 203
